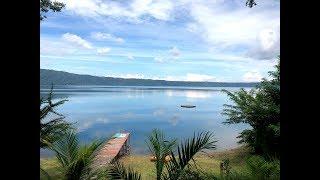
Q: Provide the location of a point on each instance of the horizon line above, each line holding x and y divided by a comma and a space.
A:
153, 79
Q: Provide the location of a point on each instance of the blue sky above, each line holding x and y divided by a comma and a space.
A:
188, 40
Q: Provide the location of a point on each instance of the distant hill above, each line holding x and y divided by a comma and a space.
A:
48, 77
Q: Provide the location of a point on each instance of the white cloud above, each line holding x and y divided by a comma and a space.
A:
129, 76
225, 28
159, 9
77, 40
192, 27
159, 59
187, 77
103, 51
175, 52
192, 77
252, 76
130, 57
268, 44
105, 36
200, 77
171, 54
224, 25
172, 78
135, 10
54, 47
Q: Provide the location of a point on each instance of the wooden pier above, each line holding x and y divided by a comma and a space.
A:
116, 147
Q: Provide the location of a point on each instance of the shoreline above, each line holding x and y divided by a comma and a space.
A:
208, 162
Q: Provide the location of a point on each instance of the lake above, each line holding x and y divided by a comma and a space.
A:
100, 111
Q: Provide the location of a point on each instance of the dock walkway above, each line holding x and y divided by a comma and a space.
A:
117, 146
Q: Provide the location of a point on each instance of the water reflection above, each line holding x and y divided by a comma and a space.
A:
100, 111
190, 93
87, 124
159, 112
174, 120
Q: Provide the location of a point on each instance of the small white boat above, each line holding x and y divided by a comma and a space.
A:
188, 106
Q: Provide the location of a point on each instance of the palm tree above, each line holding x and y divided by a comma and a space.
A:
75, 159
51, 130
160, 149
186, 152
119, 171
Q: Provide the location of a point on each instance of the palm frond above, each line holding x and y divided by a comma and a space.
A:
75, 159
51, 129
185, 153
118, 172
45, 174
262, 169
66, 149
159, 148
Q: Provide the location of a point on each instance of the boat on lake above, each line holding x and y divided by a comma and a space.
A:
188, 106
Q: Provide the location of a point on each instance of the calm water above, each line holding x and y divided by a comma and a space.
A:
100, 111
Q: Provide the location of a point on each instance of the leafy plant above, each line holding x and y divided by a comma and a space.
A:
251, 3
256, 168
75, 159
46, 5
259, 168
160, 149
186, 152
117, 171
225, 167
53, 129
260, 108
44, 174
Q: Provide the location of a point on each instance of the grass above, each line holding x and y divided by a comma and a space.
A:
208, 163
51, 166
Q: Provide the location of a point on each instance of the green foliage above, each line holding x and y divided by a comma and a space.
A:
44, 174
225, 168
160, 148
251, 3
256, 168
53, 129
189, 174
186, 151
75, 159
259, 168
260, 108
118, 172
46, 5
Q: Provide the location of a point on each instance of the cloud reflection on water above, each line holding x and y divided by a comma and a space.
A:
159, 112
101, 114
174, 120
83, 125
189, 93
